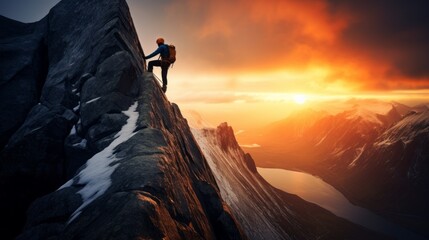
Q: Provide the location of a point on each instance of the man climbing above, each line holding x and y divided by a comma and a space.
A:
164, 63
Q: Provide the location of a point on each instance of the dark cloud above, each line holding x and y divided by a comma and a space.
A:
381, 44
388, 31
235, 35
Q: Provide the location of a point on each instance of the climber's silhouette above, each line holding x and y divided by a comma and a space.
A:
164, 62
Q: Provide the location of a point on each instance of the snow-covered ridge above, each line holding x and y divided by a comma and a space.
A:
365, 115
253, 203
406, 130
96, 174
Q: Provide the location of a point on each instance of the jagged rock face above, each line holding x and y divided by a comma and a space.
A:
90, 115
150, 182
23, 70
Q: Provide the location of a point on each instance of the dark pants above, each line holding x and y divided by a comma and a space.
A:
164, 69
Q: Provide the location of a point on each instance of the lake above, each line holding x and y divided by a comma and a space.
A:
315, 190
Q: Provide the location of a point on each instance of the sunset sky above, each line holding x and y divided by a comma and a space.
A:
252, 62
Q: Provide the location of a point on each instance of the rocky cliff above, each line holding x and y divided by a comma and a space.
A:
91, 136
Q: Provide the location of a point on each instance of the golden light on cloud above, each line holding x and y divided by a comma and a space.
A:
251, 63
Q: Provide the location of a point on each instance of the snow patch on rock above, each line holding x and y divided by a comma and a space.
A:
96, 174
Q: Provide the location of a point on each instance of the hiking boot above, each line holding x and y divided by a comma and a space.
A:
164, 88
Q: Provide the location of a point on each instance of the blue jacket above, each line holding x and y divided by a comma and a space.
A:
162, 49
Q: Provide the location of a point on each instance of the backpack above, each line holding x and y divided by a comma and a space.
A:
172, 50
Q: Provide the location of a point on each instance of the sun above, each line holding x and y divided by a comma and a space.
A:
300, 98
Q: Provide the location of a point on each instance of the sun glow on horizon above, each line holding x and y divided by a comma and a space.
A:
299, 98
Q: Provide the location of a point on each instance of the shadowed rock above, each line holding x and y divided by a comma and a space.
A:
85, 111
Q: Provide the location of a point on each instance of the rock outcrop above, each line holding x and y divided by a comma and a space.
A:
92, 137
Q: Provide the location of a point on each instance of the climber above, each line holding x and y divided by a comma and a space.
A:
164, 63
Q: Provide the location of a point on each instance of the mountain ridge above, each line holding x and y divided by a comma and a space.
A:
93, 85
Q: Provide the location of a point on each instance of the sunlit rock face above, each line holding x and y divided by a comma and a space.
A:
96, 134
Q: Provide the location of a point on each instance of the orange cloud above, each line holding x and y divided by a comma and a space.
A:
380, 45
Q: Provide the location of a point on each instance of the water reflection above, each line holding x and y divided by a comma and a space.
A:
315, 190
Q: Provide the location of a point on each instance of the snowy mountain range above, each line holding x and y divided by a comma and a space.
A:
375, 152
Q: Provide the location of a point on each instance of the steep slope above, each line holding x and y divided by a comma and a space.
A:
151, 181
252, 204
99, 121
397, 165
265, 212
